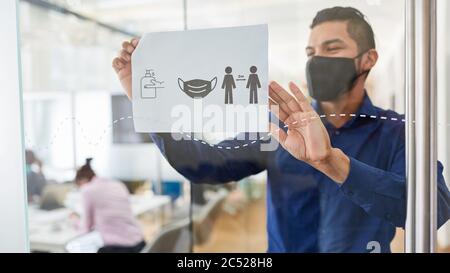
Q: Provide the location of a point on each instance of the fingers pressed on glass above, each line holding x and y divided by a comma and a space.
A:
128, 47
117, 64
276, 109
125, 55
301, 119
304, 104
273, 95
135, 41
278, 133
284, 96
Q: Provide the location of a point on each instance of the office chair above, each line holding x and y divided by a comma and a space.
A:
205, 216
174, 238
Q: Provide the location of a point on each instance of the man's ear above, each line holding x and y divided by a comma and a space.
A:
370, 60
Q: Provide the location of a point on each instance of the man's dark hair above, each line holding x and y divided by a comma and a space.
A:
357, 26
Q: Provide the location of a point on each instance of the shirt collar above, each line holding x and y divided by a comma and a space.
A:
366, 111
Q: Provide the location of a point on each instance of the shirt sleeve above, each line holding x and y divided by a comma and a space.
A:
201, 163
383, 193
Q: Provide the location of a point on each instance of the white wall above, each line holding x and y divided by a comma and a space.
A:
13, 231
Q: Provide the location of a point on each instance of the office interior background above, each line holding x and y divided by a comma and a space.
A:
74, 108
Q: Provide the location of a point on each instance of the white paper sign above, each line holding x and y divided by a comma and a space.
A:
210, 80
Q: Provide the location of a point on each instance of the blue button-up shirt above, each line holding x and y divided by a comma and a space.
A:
306, 210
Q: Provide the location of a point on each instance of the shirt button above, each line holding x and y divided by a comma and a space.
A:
387, 216
350, 193
337, 133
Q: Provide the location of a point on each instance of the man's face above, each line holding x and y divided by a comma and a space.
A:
331, 39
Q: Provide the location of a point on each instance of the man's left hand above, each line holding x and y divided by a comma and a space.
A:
306, 137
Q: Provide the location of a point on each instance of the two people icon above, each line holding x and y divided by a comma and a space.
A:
229, 84
253, 83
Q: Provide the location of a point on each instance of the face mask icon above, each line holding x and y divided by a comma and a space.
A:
197, 88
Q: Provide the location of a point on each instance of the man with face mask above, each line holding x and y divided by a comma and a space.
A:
337, 183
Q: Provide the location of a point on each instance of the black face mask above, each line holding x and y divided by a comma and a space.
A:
329, 77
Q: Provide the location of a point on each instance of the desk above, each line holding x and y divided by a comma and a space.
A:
52, 230
139, 203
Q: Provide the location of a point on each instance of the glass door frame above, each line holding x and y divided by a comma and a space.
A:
421, 125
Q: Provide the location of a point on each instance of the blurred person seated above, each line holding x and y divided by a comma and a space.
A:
35, 178
106, 208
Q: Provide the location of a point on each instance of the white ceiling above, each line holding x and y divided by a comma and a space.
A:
145, 15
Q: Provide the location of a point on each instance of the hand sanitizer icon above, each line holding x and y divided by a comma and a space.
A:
150, 85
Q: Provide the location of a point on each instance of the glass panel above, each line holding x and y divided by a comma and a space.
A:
262, 198
306, 210
74, 109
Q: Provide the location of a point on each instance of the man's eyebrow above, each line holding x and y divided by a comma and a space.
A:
332, 41
327, 42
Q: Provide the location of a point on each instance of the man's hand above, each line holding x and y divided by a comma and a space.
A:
122, 64
306, 138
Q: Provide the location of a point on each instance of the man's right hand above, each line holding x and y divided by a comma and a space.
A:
122, 64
